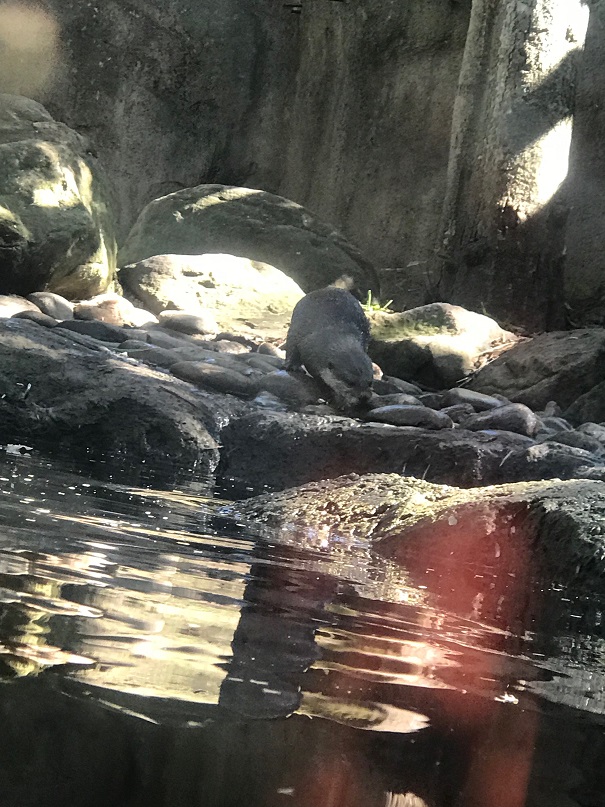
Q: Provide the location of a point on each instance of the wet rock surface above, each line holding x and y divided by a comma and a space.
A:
273, 429
556, 526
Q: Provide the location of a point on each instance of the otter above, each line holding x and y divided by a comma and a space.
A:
329, 335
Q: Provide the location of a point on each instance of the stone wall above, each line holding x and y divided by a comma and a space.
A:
345, 107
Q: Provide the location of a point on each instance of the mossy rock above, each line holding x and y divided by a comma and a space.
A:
56, 228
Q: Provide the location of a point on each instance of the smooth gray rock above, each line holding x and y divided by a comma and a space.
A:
95, 329
399, 398
544, 461
188, 323
221, 379
438, 344
284, 449
559, 367
479, 401
297, 390
509, 417
143, 427
52, 304
402, 415
38, 317
578, 440
252, 224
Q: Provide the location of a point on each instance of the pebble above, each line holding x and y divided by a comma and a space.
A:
435, 400
389, 385
557, 423
458, 412
162, 338
295, 390
95, 329
395, 399
261, 363
479, 401
113, 309
422, 416
38, 317
268, 401
267, 349
229, 346
52, 304
221, 379
150, 354
508, 417
188, 323
11, 304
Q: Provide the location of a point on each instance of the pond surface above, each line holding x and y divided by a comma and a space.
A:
156, 649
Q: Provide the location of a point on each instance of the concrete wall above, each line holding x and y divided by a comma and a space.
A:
345, 108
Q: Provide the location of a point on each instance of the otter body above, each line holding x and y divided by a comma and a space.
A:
329, 335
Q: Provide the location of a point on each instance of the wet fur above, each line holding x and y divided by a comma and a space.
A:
329, 335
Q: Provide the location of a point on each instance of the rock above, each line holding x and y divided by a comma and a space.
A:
222, 379
479, 401
437, 344
523, 530
434, 400
113, 309
150, 354
52, 304
459, 412
578, 440
11, 304
94, 329
544, 461
162, 337
268, 349
510, 417
388, 385
188, 323
402, 415
259, 362
142, 427
278, 450
266, 400
251, 224
231, 347
296, 390
38, 317
588, 407
55, 222
596, 430
399, 398
226, 287
559, 367
552, 409
556, 424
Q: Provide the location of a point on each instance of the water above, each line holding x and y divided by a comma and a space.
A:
155, 649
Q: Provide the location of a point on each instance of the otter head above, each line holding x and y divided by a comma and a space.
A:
348, 378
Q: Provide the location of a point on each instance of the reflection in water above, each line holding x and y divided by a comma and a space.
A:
174, 640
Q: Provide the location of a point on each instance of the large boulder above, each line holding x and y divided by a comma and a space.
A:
437, 344
56, 231
80, 400
251, 224
560, 366
228, 288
